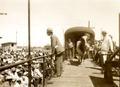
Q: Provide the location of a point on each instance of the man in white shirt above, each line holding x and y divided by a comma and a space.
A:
106, 46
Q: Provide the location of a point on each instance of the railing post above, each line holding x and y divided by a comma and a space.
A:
44, 73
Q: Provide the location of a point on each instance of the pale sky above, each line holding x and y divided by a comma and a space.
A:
58, 14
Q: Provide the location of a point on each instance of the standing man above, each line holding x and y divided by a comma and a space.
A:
57, 49
71, 49
106, 47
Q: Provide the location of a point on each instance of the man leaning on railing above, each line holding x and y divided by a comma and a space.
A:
57, 49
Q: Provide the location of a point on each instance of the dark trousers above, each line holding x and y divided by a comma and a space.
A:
108, 72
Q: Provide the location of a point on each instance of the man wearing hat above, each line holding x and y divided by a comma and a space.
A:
57, 49
106, 47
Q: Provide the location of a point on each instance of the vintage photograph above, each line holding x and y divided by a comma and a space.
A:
59, 43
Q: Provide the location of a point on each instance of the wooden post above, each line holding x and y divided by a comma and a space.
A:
119, 46
29, 49
44, 73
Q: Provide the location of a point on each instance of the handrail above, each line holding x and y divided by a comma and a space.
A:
21, 62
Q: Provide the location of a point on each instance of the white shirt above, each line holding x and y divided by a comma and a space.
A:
106, 44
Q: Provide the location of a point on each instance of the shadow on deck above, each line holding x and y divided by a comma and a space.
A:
100, 82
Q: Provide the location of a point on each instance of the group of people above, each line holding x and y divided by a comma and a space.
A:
79, 49
18, 76
99, 51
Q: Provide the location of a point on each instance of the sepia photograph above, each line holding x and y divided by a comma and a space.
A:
59, 43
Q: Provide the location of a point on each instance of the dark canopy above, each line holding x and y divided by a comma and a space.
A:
75, 33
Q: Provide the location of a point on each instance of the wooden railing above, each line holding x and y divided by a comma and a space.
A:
2, 68
21, 62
